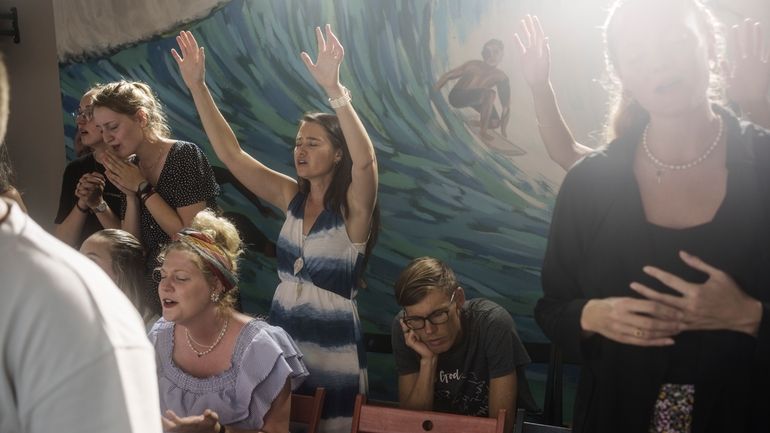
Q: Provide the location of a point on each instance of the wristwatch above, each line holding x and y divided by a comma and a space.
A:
101, 207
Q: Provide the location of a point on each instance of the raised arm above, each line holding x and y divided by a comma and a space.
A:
362, 193
270, 185
748, 80
535, 58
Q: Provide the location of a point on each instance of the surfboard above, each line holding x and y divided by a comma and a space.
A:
497, 143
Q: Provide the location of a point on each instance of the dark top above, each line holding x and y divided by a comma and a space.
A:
67, 200
488, 348
186, 179
599, 242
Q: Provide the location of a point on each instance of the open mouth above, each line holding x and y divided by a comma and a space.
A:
168, 303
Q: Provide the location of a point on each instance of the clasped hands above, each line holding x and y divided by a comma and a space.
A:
89, 189
125, 175
717, 303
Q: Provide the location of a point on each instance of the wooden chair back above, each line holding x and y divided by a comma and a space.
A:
380, 419
306, 409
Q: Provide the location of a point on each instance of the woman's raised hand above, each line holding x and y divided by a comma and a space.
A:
90, 188
326, 69
749, 78
192, 61
534, 52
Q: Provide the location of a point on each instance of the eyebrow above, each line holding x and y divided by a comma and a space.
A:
437, 310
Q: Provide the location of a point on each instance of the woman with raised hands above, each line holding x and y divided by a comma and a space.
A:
331, 222
218, 370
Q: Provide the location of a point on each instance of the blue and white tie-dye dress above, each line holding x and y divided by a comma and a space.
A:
315, 304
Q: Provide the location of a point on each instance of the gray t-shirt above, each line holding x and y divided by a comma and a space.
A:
489, 348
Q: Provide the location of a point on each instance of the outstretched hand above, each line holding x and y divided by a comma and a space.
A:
748, 79
204, 423
534, 52
326, 69
192, 61
717, 303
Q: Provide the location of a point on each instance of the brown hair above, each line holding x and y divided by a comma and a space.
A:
491, 43
626, 116
421, 276
127, 255
128, 97
336, 197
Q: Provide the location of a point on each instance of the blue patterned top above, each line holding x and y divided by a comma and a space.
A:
263, 358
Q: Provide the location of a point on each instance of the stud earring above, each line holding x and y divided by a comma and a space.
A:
215, 297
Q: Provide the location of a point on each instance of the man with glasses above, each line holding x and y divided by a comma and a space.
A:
452, 354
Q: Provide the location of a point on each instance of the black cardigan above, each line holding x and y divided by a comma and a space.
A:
598, 243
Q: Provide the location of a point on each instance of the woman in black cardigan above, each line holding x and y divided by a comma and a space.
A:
657, 265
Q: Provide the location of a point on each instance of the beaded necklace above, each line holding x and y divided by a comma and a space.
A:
190, 340
662, 166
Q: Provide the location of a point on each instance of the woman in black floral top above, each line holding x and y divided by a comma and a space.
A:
166, 182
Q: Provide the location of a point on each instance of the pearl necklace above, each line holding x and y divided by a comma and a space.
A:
190, 340
661, 166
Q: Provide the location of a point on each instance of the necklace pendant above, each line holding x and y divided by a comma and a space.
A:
298, 265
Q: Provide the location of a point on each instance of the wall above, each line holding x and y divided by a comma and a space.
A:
35, 130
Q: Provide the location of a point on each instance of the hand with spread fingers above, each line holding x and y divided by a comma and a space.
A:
191, 61
89, 189
125, 175
718, 303
414, 342
326, 69
633, 321
205, 423
534, 52
749, 78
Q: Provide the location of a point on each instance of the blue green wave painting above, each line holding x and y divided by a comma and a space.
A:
441, 193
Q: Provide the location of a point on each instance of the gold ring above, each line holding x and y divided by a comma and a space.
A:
638, 333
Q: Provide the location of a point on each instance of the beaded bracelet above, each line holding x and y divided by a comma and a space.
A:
342, 100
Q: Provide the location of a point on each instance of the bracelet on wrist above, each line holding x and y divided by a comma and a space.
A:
342, 100
149, 192
84, 210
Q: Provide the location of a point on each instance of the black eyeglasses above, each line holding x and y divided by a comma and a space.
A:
437, 317
86, 114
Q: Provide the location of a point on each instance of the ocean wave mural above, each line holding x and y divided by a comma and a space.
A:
444, 192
